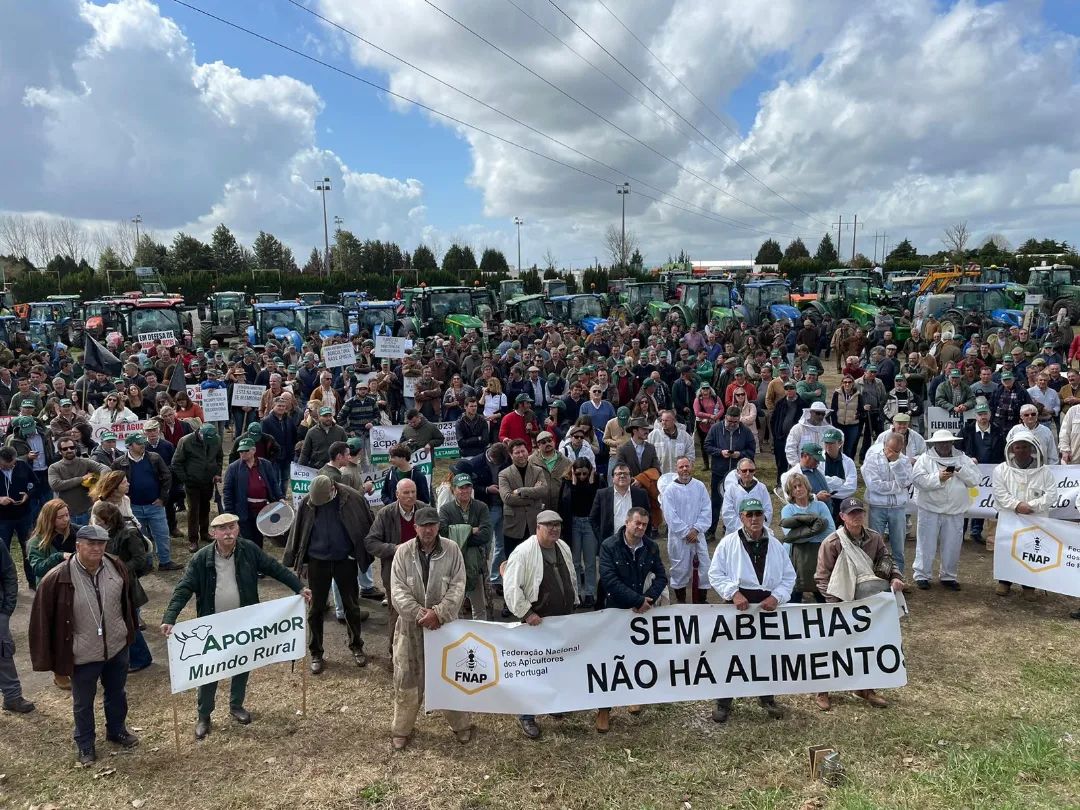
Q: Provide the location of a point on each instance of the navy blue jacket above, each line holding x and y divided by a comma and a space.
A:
22, 481
720, 438
285, 432
623, 574
389, 489
235, 492
478, 468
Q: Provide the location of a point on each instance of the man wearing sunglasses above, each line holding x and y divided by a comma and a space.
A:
68, 478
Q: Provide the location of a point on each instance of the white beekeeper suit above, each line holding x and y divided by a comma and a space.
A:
686, 506
668, 449
806, 431
731, 569
1069, 435
942, 504
735, 493
1034, 485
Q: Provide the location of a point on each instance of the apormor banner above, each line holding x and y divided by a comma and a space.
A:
670, 654
213, 647
1039, 552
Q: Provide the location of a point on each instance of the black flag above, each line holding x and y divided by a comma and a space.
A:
97, 358
177, 383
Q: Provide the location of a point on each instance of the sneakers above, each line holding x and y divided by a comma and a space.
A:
125, 739
529, 728
19, 705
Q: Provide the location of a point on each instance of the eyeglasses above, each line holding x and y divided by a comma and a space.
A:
748, 469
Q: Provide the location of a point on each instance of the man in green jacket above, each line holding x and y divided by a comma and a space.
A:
196, 464
467, 522
224, 576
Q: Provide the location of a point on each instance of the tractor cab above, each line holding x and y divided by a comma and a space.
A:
309, 299
427, 311
281, 321
148, 320
327, 320
640, 295
530, 309
100, 317
970, 308
701, 300
265, 297
1054, 287
227, 313
485, 304
510, 288
586, 310
375, 317
767, 301
552, 287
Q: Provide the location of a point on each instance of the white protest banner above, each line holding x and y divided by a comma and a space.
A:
247, 395
300, 478
940, 419
121, 429
340, 354
194, 393
691, 652
215, 404
393, 347
5, 423
383, 437
167, 338
210, 648
1038, 552
1066, 480
408, 387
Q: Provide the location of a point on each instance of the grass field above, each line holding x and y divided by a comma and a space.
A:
990, 719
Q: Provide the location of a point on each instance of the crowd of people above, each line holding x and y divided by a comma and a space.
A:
578, 452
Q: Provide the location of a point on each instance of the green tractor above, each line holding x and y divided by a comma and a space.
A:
510, 288
427, 311
851, 296
226, 316
554, 286
699, 301
1050, 288
639, 297
530, 309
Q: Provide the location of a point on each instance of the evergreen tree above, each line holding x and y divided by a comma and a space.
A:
423, 259
796, 250
769, 253
826, 254
226, 254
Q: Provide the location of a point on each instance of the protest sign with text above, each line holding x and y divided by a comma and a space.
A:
692, 652
1066, 480
215, 404
391, 347
166, 337
383, 437
941, 419
1038, 552
210, 648
247, 395
300, 478
339, 354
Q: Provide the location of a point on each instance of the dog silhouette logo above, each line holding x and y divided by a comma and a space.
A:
191, 643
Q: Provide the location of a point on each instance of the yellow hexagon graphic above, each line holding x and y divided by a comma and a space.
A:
470, 664
1037, 549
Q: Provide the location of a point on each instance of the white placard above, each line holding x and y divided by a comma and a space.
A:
1066, 480
940, 419
167, 338
1038, 552
408, 387
383, 437
392, 347
691, 652
194, 393
211, 648
340, 354
215, 404
300, 478
249, 395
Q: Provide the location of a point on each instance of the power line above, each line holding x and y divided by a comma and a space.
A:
704, 213
601, 116
716, 115
689, 123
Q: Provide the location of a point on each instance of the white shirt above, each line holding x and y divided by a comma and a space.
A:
622, 504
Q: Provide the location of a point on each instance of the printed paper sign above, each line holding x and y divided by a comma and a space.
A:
392, 347
1038, 552
383, 437
691, 652
211, 648
215, 404
340, 354
247, 395
300, 478
194, 393
167, 338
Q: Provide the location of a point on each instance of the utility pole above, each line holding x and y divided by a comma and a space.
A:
854, 231
519, 222
136, 219
324, 186
839, 227
338, 222
623, 191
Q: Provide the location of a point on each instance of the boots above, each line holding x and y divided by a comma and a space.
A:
701, 596
680, 595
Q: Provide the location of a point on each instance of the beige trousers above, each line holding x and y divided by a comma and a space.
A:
409, 685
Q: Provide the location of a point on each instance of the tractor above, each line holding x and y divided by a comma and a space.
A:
374, 317
530, 309
767, 301
849, 296
552, 287
266, 297
310, 299
327, 320
427, 311
486, 303
970, 309
511, 288
281, 321
146, 320
699, 301
1052, 287
617, 291
585, 310
639, 296
227, 313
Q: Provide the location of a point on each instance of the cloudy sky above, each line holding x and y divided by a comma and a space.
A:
732, 121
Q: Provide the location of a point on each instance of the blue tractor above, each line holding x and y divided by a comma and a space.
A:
374, 317
768, 301
327, 320
587, 310
980, 307
283, 320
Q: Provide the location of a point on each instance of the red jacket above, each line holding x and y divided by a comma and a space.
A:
1074, 349
516, 426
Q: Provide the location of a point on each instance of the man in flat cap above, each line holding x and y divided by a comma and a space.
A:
224, 575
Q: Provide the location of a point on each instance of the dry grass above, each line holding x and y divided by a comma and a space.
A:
990, 719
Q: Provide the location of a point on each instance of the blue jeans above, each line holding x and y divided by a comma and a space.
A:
583, 550
23, 526
851, 439
139, 652
157, 525
81, 519
498, 552
891, 523
976, 527
84, 681
716, 494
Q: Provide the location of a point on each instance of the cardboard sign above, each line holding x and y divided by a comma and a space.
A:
247, 395
340, 354
392, 347
215, 405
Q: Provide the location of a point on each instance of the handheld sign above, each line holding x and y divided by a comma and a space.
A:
247, 395
392, 347
340, 354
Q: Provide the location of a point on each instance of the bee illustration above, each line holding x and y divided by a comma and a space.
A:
470, 661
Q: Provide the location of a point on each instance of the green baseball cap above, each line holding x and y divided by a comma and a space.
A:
255, 429
245, 444
326, 410
832, 436
814, 450
955, 373
982, 407
108, 436
1006, 375
136, 438
356, 444
751, 505
462, 480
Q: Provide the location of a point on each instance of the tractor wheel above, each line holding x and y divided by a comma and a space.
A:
1072, 307
952, 321
206, 333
